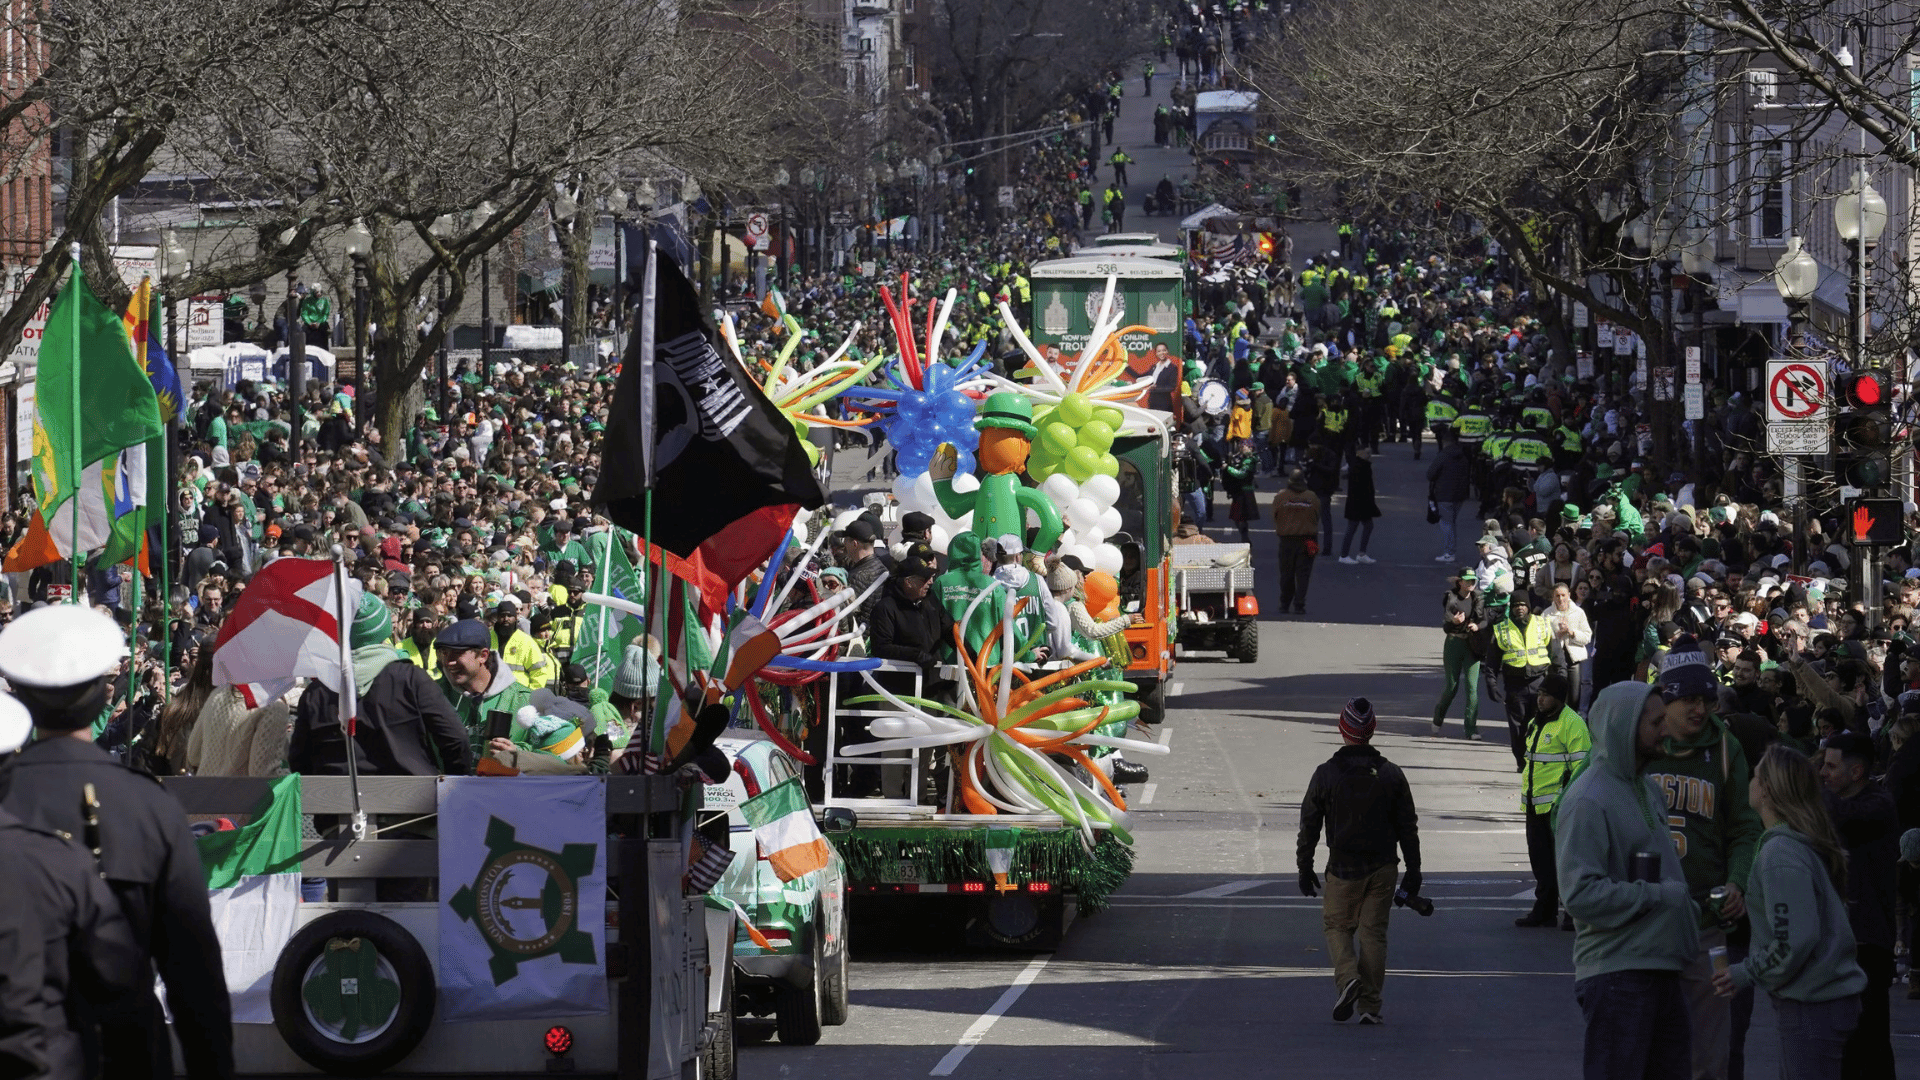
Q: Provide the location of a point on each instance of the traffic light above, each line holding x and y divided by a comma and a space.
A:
1863, 430
1875, 521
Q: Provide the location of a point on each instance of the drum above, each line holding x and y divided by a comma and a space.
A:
1213, 397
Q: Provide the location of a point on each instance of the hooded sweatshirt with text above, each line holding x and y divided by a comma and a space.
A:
1607, 814
1803, 947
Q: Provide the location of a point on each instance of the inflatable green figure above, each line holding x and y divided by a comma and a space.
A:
1006, 431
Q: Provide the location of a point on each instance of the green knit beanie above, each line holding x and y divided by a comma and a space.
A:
372, 623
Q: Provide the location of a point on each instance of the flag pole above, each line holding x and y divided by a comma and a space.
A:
133, 634
349, 694
73, 428
605, 581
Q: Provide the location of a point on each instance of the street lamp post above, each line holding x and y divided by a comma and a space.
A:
359, 244
441, 228
1696, 259
564, 210
1796, 276
174, 261
1859, 216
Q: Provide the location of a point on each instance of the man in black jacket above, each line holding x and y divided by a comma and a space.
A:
1449, 483
908, 624
406, 726
1869, 828
1367, 808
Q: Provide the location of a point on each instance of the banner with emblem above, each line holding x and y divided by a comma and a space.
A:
523, 897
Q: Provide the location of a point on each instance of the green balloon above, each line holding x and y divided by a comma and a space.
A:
1040, 470
1108, 465
1084, 461
1058, 437
1110, 416
1096, 434
1074, 410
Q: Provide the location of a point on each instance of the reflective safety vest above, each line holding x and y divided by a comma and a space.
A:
1334, 420
565, 630
419, 657
1556, 752
530, 664
1370, 385
1570, 440
1536, 416
1529, 450
1440, 412
1495, 447
1472, 426
1522, 648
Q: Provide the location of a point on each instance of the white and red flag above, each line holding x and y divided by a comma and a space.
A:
286, 627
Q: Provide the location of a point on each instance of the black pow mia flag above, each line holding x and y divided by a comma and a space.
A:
716, 448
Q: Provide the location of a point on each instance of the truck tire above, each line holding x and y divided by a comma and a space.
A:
717, 1061
1246, 644
1153, 703
361, 1018
833, 988
797, 1008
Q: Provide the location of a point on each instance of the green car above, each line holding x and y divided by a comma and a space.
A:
802, 979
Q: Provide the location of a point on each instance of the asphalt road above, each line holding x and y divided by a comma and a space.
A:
1210, 963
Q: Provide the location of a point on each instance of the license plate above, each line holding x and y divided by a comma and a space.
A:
901, 872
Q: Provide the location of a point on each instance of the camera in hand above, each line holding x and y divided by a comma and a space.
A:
1420, 905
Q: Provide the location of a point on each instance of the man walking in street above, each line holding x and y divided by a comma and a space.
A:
1869, 827
1521, 640
1635, 926
1557, 746
1296, 515
1367, 808
1701, 773
1120, 160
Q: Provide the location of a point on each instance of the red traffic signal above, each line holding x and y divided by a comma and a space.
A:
1875, 521
1868, 389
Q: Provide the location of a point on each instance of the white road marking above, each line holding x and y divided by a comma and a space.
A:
1146, 794
1174, 690
987, 1019
1523, 894
1166, 736
1305, 904
1230, 888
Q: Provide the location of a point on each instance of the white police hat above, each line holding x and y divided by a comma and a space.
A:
15, 723
60, 645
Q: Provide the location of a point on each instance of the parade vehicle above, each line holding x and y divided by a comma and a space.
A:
1154, 249
799, 977
1125, 239
1213, 588
361, 985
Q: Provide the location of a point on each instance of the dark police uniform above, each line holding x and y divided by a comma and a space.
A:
65, 950
154, 871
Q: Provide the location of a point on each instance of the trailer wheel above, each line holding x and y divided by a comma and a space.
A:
353, 993
797, 1008
833, 985
717, 1061
1246, 643
1153, 703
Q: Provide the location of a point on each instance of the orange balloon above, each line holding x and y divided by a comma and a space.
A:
1103, 595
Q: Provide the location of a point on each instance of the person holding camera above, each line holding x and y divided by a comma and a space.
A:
1367, 807
1635, 924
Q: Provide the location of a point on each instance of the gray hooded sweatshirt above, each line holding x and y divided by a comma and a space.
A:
1803, 947
1608, 813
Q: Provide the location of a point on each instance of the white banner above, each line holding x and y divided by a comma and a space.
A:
523, 887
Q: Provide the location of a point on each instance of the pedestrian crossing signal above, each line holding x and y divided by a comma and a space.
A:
1875, 521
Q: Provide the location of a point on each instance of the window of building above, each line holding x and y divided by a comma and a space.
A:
1770, 161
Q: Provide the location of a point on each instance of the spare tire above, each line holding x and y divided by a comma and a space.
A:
353, 993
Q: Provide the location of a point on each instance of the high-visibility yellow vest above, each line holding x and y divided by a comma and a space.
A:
1570, 440
1527, 450
1536, 416
1334, 420
1369, 384
530, 664
1496, 446
1472, 426
422, 658
1556, 750
1440, 412
1522, 648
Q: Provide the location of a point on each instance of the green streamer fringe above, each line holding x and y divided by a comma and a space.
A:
951, 855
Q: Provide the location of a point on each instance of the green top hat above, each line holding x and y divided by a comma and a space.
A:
1006, 409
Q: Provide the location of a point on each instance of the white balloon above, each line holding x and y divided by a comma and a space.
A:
844, 518
1104, 490
1068, 538
964, 484
1093, 536
1061, 489
1083, 513
1108, 559
1083, 553
1110, 519
923, 496
938, 538
905, 489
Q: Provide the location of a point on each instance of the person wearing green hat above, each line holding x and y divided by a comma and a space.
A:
405, 727
1000, 506
1464, 613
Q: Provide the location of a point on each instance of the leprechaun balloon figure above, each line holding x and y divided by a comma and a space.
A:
999, 507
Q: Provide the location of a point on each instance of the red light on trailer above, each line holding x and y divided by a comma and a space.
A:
973, 886
559, 1040
1040, 886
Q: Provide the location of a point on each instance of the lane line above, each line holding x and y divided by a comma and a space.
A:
1229, 888
1174, 690
1523, 894
987, 1019
1166, 736
1304, 904
1146, 794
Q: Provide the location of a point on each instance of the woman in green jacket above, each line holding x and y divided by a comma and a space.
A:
1803, 948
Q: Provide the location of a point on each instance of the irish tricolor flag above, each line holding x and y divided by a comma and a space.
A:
783, 825
253, 880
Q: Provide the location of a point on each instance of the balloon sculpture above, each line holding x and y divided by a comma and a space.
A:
1001, 503
801, 396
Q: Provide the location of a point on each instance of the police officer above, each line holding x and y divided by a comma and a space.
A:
1557, 746
58, 660
63, 941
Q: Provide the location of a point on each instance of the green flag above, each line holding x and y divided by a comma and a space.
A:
605, 632
91, 398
